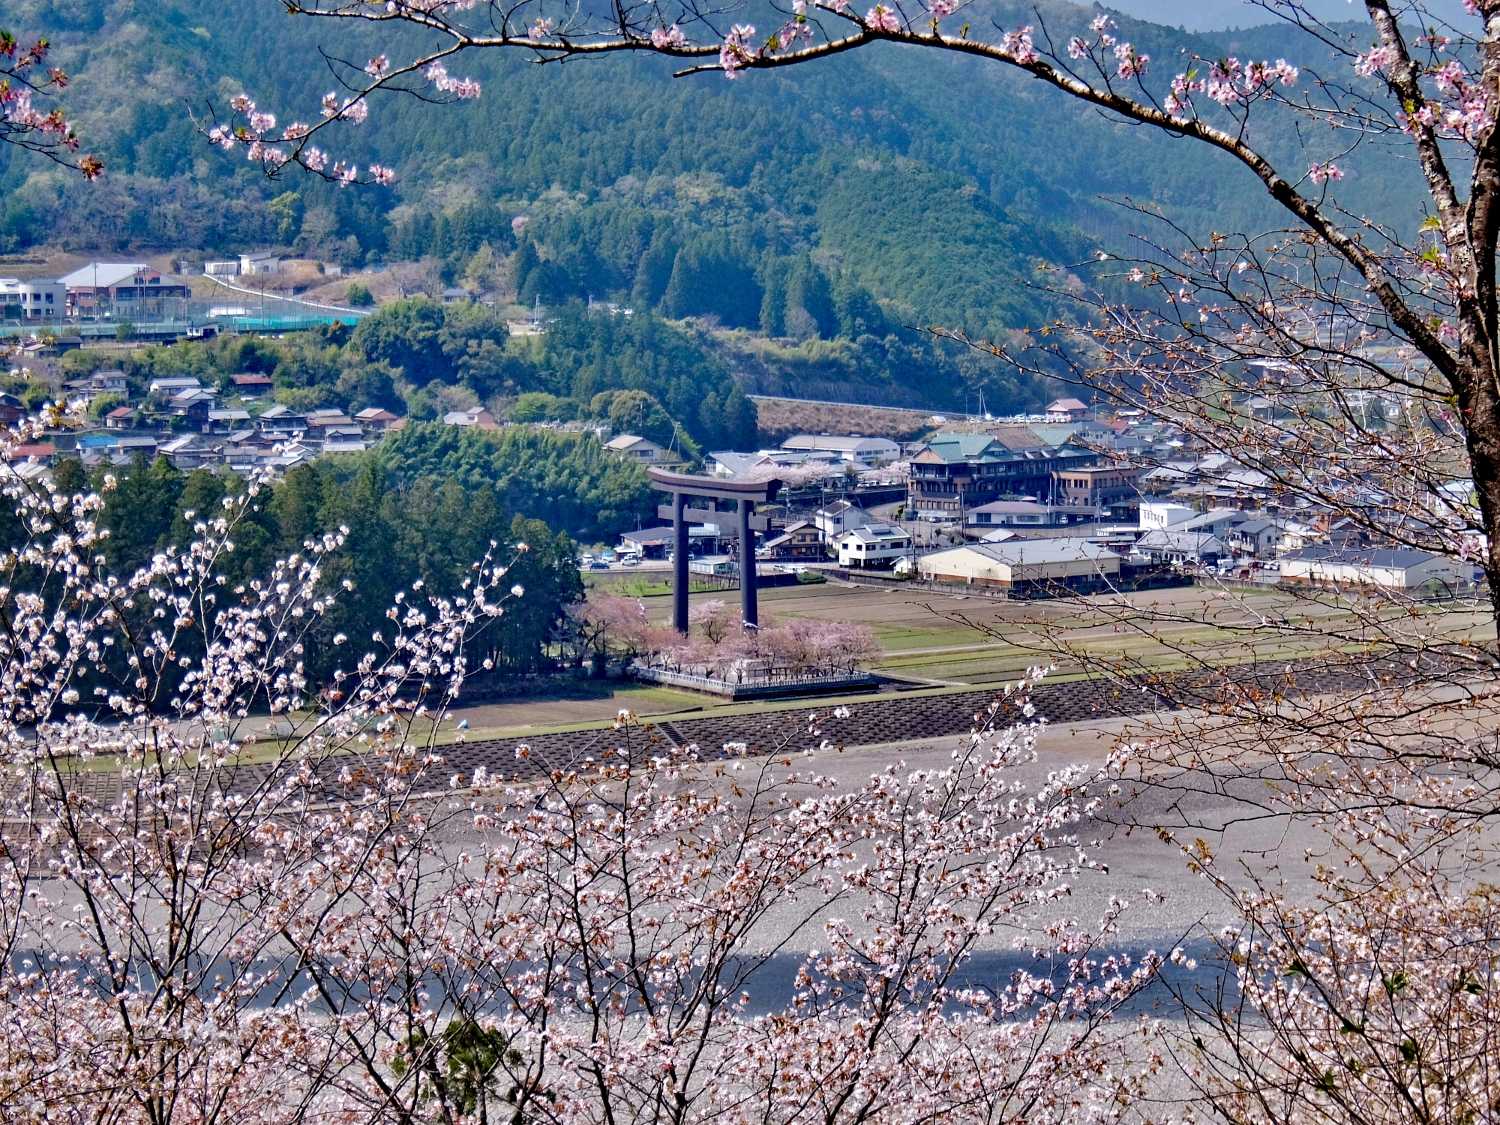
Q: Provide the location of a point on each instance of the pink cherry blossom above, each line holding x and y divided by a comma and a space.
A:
666, 37
1320, 173
735, 52
1375, 60
1018, 45
883, 18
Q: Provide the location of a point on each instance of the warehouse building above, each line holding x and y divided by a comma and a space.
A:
1387, 568
1026, 567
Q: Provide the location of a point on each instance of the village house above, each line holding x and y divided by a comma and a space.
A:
36, 452
875, 546
226, 421
640, 449
376, 419
168, 385
1176, 547
834, 519
800, 540
1070, 408
281, 423
132, 446
12, 410
341, 440
250, 384
1256, 537
477, 417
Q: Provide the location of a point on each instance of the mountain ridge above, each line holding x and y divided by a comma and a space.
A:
933, 183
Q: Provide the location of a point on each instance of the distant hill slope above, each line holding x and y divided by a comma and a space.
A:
935, 185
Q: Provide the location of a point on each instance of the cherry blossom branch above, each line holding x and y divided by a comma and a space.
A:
24, 79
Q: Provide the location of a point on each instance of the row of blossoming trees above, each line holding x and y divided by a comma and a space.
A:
342, 925
718, 645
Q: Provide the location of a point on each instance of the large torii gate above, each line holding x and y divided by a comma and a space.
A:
746, 494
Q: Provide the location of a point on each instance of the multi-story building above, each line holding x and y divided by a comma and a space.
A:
32, 300
123, 291
955, 472
1114, 488
800, 540
840, 516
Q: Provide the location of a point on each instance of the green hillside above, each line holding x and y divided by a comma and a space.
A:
843, 201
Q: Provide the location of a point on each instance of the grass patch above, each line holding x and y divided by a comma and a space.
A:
643, 585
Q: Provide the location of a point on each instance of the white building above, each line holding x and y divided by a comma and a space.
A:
32, 300
1029, 513
868, 452
1158, 515
1026, 567
839, 517
173, 385
262, 262
876, 545
1389, 568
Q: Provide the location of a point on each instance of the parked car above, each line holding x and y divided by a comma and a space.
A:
631, 560
597, 564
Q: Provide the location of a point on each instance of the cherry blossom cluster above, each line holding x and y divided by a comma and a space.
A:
24, 77
736, 49
718, 642
254, 130
1229, 82
1322, 173
1455, 103
1102, 42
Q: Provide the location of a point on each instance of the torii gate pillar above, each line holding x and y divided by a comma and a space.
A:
680, 581
749, 611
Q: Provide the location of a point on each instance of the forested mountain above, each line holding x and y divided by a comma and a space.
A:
919, 188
